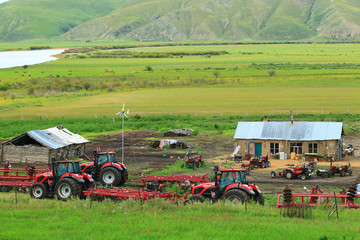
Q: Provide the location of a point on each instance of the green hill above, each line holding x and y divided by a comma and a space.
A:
180, 20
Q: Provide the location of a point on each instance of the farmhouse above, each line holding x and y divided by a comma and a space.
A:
40, 145
281, 139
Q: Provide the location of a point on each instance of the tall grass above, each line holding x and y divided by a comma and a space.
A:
158, 219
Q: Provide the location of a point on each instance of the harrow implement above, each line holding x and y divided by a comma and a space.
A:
191, 179
119, 194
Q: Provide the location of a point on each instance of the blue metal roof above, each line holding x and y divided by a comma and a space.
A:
48, 139
301, 131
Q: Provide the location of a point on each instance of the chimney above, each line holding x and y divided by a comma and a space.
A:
291, 118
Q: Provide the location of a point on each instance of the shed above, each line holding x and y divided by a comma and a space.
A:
273, 138
40, 145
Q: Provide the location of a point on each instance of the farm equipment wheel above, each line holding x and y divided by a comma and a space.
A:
303, 177
289, 175
5, 189
273, 174
259, 198
124, 177
350, 172
110, 176
67, 188
263, 164
342, 173
268, 164
194, 165
38, 190
182, 165
234, 196
197, 198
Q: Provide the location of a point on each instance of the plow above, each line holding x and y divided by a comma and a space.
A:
119, 194
19, 178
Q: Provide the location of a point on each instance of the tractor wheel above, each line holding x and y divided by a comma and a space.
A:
235, 196
342, 173
110, 176
273, 174
303, 177
262, 164
194, 165
38, 190
197, 198
67, 188
268, 164
124, 177
182, 165
289, 175
350, 172
319, 174
259, 198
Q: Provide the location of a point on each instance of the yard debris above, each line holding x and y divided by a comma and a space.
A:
178, 132
171, 143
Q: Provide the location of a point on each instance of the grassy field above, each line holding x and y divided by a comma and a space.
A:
253, 79
45, 219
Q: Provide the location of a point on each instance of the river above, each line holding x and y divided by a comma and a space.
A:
21, 58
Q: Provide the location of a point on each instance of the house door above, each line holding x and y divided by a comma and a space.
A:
257, 149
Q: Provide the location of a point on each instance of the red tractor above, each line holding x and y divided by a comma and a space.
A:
231, 185
65, 180
106, 169
341, 169
192, 161
260, 162
301, 171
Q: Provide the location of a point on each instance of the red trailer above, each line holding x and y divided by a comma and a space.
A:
21, 178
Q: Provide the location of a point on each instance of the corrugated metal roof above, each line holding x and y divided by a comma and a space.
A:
301, 131
54, 138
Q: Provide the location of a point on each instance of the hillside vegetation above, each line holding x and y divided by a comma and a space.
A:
180, 20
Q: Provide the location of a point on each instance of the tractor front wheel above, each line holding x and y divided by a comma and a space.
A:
67, 188
124, 177
110, 176
259, 198
197, 198
303, 177
235, 196
38, 190
289, 175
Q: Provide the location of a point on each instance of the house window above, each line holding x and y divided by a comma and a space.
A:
296, 148
313, 147
274, 148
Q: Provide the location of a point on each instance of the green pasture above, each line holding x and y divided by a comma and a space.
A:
158, 219
249, 79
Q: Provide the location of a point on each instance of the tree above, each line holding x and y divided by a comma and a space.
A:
271, 73
25, 66
149, 68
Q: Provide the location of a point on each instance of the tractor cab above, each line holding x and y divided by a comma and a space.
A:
63, 167
101, 158
231, 176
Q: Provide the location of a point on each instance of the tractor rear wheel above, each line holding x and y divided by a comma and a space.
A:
273, 174
197, 198
67, 188
289, 175
235, 196
110, 176
38, 190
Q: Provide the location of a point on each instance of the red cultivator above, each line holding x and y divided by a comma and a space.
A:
119, 194
191, 179
316, 199
21, 178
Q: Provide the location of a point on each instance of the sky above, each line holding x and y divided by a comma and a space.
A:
1, 1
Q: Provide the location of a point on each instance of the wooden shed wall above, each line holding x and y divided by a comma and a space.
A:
24, 154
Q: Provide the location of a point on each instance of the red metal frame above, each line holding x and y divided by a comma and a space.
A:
318, 200
133, 194
11, 177
191, 179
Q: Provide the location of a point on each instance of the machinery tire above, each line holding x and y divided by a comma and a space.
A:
124, 177
262, 164
259, 198
235, 196
350, 172
38, 190
303, 177
319, 174
289, 175
196, 198
110, 176
182, 165
273, 174
194, 165
67, 188
342, 173
268, 164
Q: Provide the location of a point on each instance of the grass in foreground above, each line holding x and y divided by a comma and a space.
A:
157, 219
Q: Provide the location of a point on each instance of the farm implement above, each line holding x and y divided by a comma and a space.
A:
119, 194
192, 161
301, 171
316, 198
19, 178
156, 183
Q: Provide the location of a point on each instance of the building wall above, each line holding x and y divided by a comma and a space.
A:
24, 154
329, 147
